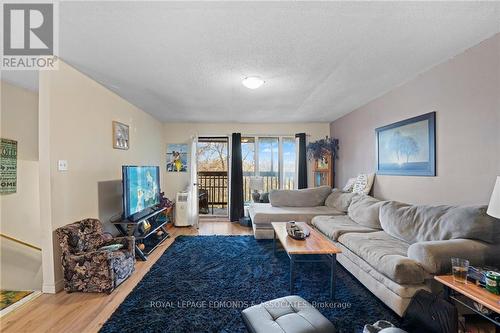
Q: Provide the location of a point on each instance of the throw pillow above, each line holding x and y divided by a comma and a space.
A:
339, 200
349, 185
363, 183
111, 248
264, 197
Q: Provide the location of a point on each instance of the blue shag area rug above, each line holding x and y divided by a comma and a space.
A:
202, 283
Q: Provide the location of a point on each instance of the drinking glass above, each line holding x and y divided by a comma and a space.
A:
459, 267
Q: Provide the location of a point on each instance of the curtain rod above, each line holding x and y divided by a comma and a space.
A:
264, 135
246, 134
243, 134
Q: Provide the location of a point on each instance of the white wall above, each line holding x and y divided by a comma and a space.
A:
19, 217
76, 115
465, 93
182, 132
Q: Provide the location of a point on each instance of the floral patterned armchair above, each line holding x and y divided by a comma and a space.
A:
85, 267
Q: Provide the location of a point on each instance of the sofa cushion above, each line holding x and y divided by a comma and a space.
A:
335, 226
413, 224
264, 214
386, 254
375, 279
339, 200
308, 197
364, 210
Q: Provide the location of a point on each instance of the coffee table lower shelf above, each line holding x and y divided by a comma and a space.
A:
315, 248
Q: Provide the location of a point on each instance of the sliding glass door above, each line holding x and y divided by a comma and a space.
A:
213, 159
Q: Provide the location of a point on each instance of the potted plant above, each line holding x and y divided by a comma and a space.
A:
317, 149
167, 203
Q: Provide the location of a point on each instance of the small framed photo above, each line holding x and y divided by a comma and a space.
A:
120, 136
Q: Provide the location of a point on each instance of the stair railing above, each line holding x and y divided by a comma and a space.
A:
18, 241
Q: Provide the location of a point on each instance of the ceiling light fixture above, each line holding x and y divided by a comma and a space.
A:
252, 82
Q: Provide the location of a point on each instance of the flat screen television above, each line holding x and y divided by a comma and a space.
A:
141, 191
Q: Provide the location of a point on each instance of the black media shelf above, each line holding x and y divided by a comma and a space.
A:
150, 239
153, 242
154, 227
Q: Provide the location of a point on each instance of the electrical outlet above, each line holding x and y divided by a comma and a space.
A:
62, 165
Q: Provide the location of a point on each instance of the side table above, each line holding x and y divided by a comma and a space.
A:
468, 293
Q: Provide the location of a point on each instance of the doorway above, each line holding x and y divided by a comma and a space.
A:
212, 176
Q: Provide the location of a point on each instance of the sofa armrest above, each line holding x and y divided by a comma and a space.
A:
128, 243
435, 256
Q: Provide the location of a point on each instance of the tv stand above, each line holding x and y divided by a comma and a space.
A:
148, 237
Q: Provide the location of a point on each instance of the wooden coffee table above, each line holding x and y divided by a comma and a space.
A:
315, 245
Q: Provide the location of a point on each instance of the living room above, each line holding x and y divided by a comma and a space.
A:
374, 126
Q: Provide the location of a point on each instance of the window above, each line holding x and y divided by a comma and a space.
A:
271, 157
289, 162
269, 162
248, 155
212, 154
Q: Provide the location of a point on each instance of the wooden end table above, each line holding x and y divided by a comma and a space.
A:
314, 245
464, 293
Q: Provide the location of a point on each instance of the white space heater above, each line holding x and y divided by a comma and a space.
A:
182, 209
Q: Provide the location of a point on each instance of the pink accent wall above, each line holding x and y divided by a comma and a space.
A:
465, 93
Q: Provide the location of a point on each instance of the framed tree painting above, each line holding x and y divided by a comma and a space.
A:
408, 147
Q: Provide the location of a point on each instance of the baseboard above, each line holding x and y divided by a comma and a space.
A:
53, 288
20, 303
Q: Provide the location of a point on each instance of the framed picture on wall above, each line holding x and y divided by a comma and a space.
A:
120, 136
177, 157
408, 147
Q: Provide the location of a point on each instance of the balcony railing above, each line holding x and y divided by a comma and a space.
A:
213, 186
271, 182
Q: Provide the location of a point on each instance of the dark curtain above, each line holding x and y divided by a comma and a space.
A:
236, 200
302, 165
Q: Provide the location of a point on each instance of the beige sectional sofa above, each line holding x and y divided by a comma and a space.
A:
263, 214
288, 205
395, 249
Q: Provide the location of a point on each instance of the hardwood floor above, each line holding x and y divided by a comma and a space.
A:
81, 312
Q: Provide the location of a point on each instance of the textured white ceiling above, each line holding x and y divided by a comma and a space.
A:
320, 60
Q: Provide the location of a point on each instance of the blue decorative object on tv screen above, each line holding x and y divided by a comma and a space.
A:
408, 147
141, 190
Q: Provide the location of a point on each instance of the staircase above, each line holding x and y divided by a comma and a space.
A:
21, 274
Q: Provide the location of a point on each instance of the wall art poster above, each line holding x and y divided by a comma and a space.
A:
8, 166
177, 157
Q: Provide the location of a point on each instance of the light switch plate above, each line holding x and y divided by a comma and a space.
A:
62, 165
